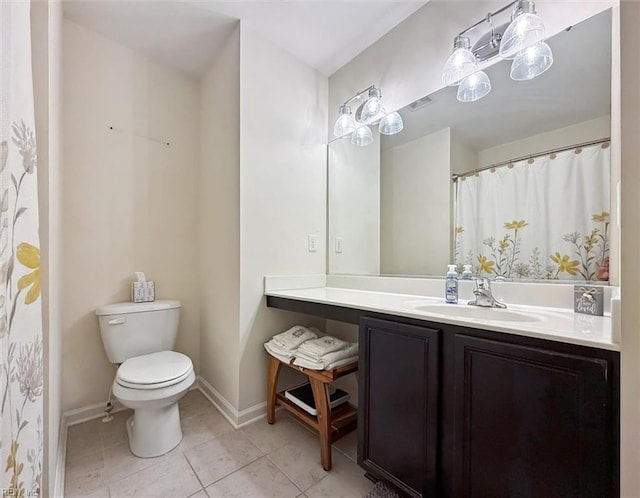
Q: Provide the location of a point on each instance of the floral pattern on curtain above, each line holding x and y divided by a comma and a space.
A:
542, 218
21, 360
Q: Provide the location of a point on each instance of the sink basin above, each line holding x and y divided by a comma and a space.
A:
479, 313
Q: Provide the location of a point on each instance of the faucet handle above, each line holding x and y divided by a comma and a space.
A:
483, 283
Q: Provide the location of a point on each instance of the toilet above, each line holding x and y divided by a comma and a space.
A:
151, 377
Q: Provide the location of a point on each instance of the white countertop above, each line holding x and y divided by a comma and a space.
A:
556, 324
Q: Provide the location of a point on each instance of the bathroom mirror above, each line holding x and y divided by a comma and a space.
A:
392, 204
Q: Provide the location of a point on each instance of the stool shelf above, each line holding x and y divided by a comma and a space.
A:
330, 424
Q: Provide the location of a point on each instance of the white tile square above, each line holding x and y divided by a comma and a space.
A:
83, 439
115, 432
348, 445
86, 475
221, 456
120, 462
171, 477
270, 437
259, 479
345, 480
299, 460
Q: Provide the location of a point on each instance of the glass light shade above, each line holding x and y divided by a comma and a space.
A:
372, 110
391, 124
531, 62
362, 136
345, 123
460, 64
474, 87
525, 30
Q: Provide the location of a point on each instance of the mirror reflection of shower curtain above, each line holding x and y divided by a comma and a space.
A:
21, 361
542, 218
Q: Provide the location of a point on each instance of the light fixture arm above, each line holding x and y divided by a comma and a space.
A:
518, 4
361, 93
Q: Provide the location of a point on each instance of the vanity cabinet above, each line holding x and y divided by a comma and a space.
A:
450, 411
398, 431
530, 421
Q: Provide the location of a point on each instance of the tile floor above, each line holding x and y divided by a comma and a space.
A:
213, 460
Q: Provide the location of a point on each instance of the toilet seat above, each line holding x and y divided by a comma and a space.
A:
154, 371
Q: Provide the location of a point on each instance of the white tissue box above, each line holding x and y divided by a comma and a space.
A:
143, 292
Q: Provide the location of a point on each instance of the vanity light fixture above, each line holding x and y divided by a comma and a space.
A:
362, 136
345, 123
520, 40
370, 112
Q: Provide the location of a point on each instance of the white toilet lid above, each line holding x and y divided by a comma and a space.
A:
155, 370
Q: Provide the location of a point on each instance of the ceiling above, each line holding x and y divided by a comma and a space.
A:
187, 34
576, 88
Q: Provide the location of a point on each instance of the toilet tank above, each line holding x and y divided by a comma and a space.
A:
134, 329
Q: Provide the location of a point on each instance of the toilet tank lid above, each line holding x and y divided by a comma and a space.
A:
124, 308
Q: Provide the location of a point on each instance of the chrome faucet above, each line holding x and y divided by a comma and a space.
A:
483, 294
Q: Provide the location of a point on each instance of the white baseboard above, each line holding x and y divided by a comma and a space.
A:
61, 461
86, 413
237, 419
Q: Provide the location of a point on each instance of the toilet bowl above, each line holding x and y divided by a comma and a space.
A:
151, 385
151, 378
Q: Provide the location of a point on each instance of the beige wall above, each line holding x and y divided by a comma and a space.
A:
129, 203
630, 246
586, 131
46, 30
219, 221
415, 201
282, 192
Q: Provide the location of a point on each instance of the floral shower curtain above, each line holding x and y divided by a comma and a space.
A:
21, 362
542, 218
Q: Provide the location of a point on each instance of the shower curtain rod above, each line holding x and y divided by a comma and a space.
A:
457, 176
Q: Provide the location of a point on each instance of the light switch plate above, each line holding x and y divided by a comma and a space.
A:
312, 242
338, 246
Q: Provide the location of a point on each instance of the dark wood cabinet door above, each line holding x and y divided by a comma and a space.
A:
530, 422
398, 401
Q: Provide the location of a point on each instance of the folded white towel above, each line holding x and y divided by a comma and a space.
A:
321, 366
317, 348
276, 353
348, 352
294, 337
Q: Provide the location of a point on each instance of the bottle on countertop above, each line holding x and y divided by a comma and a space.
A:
451, 286
467, 274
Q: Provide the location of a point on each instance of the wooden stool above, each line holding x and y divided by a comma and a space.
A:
330, 425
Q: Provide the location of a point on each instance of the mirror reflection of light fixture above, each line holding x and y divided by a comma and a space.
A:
461, 63
370, 112
526, 28
362, 136
520, 40
531, 62
474, 87
345, 123
391, 124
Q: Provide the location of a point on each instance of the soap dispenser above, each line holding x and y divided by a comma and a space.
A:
467, 274
451, 286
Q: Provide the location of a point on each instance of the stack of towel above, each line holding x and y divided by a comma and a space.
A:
309, 350
325, 353
285, 345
